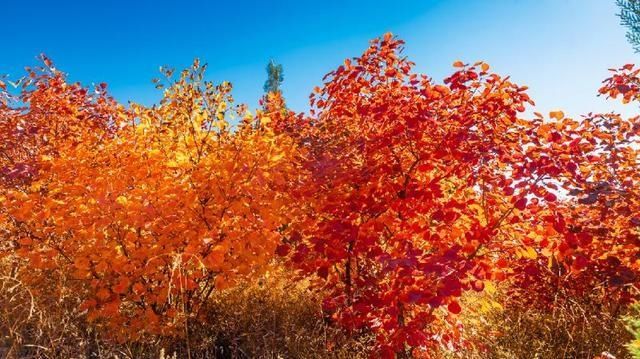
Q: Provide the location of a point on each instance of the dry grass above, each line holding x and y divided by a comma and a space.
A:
576, 328
270, 318
273, 318
279, 317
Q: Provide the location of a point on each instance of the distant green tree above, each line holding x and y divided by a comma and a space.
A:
275, 76
630, 18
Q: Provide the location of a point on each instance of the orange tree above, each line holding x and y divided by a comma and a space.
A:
147, 210
413, 191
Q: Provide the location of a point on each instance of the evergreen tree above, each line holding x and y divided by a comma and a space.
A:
275, 77
630, 18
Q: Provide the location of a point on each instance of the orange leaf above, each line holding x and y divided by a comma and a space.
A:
558, 115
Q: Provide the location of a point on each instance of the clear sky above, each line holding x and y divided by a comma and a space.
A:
561, 49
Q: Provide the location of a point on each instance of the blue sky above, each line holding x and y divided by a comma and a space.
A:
561, 49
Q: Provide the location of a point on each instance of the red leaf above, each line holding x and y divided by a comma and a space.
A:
454, 307
323, 272
283, 249
478, 285
508, 191
521, 204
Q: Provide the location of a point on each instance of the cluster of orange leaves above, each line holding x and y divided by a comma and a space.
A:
394, 195
152, 209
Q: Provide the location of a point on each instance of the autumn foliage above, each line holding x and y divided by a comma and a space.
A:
392, 199
150, 210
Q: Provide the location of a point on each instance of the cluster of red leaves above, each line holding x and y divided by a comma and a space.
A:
590, 239
417, 192
410, 187
394, 196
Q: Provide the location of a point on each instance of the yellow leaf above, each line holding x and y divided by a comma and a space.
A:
122, 200
458, 64
154, 152
277, 157
529, 253
265, 120
181, 158
497, 305
546, 252
489, 287
141, 127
